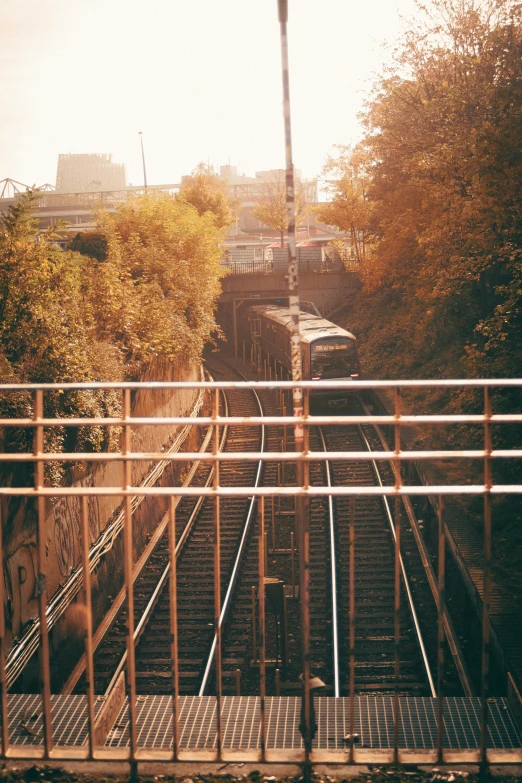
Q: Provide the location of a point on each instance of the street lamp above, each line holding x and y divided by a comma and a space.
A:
143, 159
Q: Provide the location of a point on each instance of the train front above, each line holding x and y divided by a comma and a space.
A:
333, 357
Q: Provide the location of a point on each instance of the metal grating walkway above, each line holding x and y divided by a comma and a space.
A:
373, 722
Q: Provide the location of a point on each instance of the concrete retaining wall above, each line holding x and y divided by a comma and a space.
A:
63, 518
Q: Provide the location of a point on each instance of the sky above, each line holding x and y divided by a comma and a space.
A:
200, 79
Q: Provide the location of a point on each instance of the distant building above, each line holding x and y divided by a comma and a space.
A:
93, 172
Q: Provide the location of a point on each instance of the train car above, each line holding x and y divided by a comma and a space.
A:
328, 352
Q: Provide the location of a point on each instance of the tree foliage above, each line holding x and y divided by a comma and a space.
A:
157, 289
90, 243
442, 195
208, 193
71, 317
349, 209
270, 208
442, 158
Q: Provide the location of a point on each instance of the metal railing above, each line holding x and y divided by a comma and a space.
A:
263, 261
98, 717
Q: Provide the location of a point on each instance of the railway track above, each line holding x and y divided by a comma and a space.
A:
373, 582
373, 609
195, 576
330, 609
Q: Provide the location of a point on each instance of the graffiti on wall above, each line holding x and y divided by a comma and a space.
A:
20, 587
67, 527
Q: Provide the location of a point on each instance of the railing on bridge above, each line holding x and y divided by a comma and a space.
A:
172, 738
264, 261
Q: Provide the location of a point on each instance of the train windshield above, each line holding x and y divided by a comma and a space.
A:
334, 357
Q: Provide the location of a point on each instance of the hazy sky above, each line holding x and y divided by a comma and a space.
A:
200, 78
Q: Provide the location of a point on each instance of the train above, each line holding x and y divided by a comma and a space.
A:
328, 352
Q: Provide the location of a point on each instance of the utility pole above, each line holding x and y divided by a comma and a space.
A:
307, 725
143, 160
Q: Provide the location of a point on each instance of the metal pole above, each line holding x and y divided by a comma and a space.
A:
302, 504
3, 685
143, 160
89, 665
262, 630
217, 579
486, 595
440, 635
41, 586
173, 590
129, 585
254, 618
352, 624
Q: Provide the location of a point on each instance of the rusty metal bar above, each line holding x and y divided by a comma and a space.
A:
262, 630
297, 420
3, 679
352, 624
217, 586
486, 596
254, 617
470, 383
292, 556
256, 491
173, 586
269, 456
441, 631
129, 584
87, 592
397, 629
41, 583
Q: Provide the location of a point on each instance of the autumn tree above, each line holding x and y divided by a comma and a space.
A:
208, 193
349, 207
443, 160
271, 209
443, 149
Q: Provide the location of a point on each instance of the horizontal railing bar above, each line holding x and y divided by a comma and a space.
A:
254, 456
446, 489
249, 421
354, 385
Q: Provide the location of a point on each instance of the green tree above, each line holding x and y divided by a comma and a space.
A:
155, 294
47, 334
90, 243
208, 193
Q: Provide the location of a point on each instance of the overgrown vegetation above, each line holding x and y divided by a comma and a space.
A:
143, 287
435, 189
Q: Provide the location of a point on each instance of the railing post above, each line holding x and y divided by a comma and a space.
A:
217, 577
262, 629
440, 632
174, 626
128, 568
41, 583
89, 664
352, 624
486, 579
3, 679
